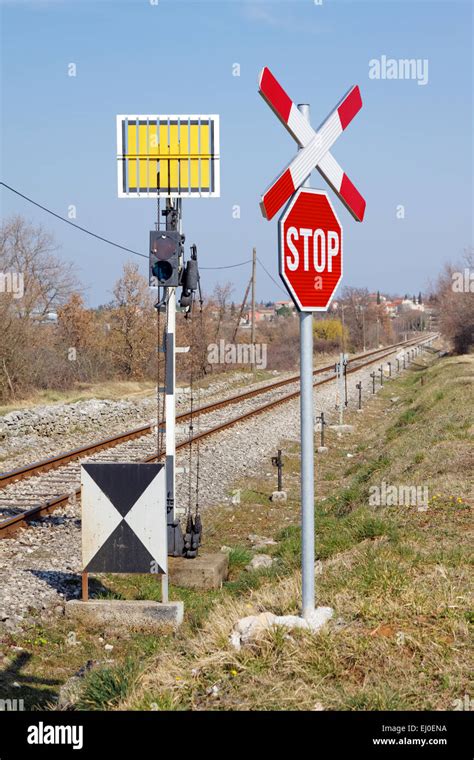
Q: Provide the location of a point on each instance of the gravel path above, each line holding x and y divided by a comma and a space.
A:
39, 567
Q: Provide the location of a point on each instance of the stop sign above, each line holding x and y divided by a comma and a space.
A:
310, 249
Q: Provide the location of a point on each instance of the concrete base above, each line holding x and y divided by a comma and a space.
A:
206, 571
322, 449
359, 411
342, 428
125, 613
253, 627
278, 496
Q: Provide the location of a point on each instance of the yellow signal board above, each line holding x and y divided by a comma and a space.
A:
172, 156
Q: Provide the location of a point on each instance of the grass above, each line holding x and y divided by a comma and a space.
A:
105, 688
397, 578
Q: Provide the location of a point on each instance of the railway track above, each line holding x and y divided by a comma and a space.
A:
34, 491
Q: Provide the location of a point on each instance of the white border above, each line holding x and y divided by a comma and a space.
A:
153, 117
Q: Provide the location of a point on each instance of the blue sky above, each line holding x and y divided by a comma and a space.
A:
409, 145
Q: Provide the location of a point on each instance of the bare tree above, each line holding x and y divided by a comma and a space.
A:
30, 251
133, 323
221, 296
27, 258
454, 300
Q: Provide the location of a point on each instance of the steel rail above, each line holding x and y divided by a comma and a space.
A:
12, 524
54, 462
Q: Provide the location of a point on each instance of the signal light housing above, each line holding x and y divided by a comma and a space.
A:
165, 251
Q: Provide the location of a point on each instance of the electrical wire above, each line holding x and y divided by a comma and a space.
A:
272, 278
230, 266
118, 245
68, 221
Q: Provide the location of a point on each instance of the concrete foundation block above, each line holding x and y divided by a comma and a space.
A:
278, 496
251, 628
125, 613
206, 571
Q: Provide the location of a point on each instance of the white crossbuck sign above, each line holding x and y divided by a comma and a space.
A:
315, 148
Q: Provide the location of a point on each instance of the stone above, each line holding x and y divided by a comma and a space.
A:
206, 571
125, 613
322, 449
260, 541
278, 496
70, 691
259, 561
251, 628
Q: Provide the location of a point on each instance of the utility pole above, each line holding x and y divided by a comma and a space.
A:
241, 311
307, 444
254, 274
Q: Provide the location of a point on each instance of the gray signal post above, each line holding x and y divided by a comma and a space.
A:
307, 444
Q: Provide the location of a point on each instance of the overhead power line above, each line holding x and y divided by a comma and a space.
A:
230, 266
68, 221
111, 242
270, 276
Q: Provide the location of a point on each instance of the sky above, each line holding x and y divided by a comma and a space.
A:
410, 146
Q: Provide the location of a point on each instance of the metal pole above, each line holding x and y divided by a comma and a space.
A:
254, 270
359, 388
322, 428
170, 408
307, 444
341, 388
345, 382
343, 342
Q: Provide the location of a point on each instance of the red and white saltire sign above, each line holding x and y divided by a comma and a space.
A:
310, 249
315, 151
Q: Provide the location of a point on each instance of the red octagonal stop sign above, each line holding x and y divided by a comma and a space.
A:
310, 249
